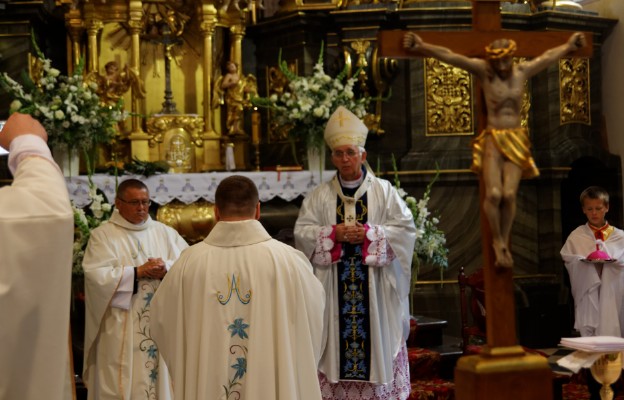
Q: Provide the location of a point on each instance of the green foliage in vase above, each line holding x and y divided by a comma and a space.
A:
136, 167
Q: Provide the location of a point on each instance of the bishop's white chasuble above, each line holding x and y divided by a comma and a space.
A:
371, 280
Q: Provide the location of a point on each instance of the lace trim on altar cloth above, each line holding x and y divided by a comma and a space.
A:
398, 389
325, 248
189, 188
377, 251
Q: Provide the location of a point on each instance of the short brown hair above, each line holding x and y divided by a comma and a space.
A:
595, 192
237, 196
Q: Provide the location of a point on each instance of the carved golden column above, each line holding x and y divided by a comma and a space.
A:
75, 28
138, 138
135, 14
94, 25
237, 33
211, 139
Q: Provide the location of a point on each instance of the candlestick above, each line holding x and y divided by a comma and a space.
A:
257, 151
255, 126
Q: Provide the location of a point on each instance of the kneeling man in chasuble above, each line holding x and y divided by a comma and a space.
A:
240, 315
36, 238
359, 235
125, 260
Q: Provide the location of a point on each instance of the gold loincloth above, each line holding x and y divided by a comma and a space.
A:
513, 144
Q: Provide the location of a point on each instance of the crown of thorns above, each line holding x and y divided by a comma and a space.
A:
501, 52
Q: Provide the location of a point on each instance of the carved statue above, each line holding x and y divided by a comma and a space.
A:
240, 5
236, 93
113, 85
176, 22
35, 69
502, 152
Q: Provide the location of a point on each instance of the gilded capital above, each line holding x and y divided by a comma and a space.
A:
237, 30
73, 19
208, 26
94, 26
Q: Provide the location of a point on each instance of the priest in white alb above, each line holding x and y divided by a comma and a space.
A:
125, 260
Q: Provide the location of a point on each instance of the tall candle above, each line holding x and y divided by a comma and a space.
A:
255, 126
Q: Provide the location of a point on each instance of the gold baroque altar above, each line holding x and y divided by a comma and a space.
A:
190, 54
138, 50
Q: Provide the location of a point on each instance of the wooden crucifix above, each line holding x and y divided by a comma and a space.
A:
502, 156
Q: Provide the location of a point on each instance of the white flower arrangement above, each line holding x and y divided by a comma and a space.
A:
85, 220
309, 101
67, 106
430, 246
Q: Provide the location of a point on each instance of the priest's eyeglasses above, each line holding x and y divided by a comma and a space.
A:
136, 203
349, 153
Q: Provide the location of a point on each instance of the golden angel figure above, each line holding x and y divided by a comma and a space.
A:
115, 83
236, 93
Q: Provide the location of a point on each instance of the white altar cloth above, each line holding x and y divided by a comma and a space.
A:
188, 188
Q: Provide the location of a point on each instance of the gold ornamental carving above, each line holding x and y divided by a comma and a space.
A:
383, 71
574, 91
364, 51
448, 100
235, 91
526, 98
303, 5
193, 221
277, 84
116, 81
361, 48
177, 139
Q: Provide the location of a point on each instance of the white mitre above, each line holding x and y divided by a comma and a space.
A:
345, 128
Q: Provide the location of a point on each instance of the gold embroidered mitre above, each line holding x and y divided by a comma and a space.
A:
345, 128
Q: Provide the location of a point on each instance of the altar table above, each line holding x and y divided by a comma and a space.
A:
189, 188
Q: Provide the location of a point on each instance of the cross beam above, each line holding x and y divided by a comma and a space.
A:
486, 27
472, 43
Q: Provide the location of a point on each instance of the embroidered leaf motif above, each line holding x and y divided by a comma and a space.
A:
149, 350
153, 375
240, 367
152, 351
